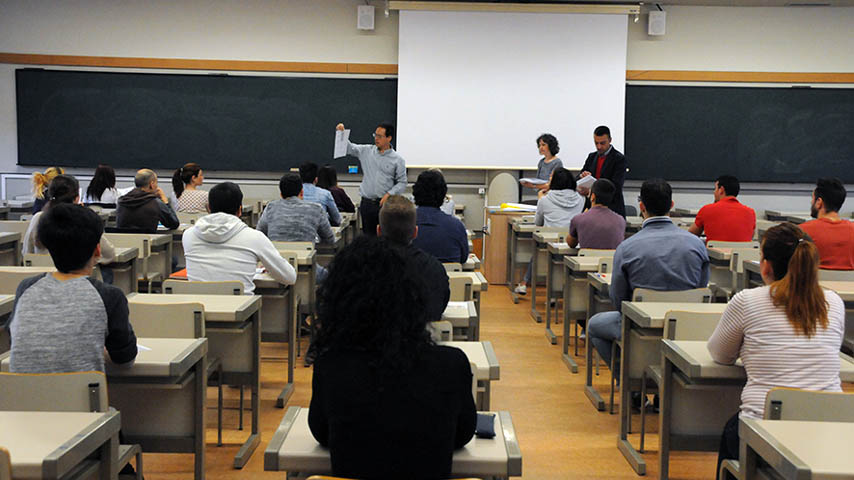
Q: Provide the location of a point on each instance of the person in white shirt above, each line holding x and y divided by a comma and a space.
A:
787, 333
102, 187
220, 247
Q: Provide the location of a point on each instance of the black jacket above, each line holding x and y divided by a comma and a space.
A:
614, 169
142, 210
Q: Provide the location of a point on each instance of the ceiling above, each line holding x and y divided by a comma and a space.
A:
663, 3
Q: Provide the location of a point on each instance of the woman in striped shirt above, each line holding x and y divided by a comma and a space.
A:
787, 333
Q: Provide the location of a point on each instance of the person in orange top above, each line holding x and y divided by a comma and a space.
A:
726, 220
833, 236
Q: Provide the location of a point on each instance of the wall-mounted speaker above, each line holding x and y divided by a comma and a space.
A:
657, 22
365, 17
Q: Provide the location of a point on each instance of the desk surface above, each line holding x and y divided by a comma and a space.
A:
582, 264
218, 308
560, 248
293, 448
34, 437
823, 448
6, 304
460, 310
161, 357
7, 237
125, 254
651, 314
156, 239
478, 281
482, 355
548, 237
599, 280
719, 253
32, 270
844, 289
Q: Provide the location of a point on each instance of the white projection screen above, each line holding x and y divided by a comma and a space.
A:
475, 89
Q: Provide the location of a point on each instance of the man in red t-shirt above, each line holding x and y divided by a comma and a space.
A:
833, 236
726, 220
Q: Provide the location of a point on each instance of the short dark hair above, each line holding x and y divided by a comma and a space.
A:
225, 197
562, 179
397, 219
430, 189
389, 129
832, 192
63, 189
604, 190
308, 172
70, 233
290, 185
730, 184
550, 141
657, 196
602, 130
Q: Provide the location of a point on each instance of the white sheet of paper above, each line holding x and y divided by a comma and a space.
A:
456, 309
139, 346
533, 181
587, 181
341, 139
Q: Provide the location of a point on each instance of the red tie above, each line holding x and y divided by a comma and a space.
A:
599, 167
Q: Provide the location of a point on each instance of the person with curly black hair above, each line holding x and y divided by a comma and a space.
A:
386, 400
439, 234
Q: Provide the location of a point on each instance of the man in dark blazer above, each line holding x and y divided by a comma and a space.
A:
607, 162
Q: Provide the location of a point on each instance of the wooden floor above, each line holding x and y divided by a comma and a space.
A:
561, 435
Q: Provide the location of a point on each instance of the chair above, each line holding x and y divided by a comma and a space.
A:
695, 295
595, 252
5, 465
720, 244
190, 218
606, 264
142, 242
736, 265
9, 280
631, 211
800, 405
178, 320
678, 325
441, 331
62, 392
38, 260
836, 275
461, 289
183, 287
453, 267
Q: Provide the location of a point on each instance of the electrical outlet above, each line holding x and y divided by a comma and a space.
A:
481, 191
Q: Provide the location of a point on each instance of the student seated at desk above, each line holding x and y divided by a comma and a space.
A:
787, 333
313, 193
145, 206
41, 182
185, 185
102, 187
386, 401
397, 225
599, 227
555, 209
292, 219
327, 179
439, 234
726, 220
63, 321
661, 256
63, 189
221, 247
833, 236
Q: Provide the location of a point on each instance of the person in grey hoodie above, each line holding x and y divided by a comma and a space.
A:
220, 247
556, 209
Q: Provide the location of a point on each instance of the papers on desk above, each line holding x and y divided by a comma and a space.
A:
586, 182
342, 137
522, 207
533, 181
457, 309
142, 347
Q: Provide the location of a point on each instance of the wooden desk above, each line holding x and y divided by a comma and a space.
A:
797, 450
10, 248
575, 270
294, 449
124, 270
18, 208
306, 284
177, 242
463, 317
478, 285
472, 263
482, 355
160, 260
279, 315
234, 336
598, 300
54, 445
554, 281
644, 322
162, 397
495, 244
541, 241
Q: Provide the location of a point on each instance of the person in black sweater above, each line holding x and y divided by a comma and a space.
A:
386, 400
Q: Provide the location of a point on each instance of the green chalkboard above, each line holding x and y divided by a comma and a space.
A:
223, 122
756, 134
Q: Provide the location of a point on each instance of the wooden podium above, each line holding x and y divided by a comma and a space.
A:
495, 244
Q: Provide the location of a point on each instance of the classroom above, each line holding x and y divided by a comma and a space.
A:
545, 384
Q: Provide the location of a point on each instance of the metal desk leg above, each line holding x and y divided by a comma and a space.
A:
632, 456
200, 395
549, 285
534, 260
591, 392
511, 265
254, 439
664, 417
293, 314
567, 358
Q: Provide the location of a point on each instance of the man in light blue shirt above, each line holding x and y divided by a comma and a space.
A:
312, 193
661, 256
383, 174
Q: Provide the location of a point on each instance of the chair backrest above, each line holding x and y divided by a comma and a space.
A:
682, 325
740, 255
695, 295
605, 264
9, 280
441, 331
293, 246
190, 218
837, 275
595, 252
720, 244
453, 267
183, 287
5, 465
461, 289
168, 320
141, 241
16, 226
473, 381
38, 260
54, 392
806, 405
